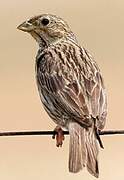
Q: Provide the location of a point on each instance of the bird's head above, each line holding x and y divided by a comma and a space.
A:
46, 27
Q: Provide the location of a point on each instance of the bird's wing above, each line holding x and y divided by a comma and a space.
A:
73, 83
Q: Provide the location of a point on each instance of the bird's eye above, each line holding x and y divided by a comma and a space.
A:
45, 21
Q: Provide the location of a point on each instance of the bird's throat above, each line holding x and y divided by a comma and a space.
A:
40, 40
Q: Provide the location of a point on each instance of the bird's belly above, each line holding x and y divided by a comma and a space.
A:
52, 108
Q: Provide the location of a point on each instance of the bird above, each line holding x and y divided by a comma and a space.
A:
71, 89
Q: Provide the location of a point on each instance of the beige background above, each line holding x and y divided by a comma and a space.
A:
99, 25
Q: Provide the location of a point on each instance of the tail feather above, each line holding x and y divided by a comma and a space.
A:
83, 149
92, 152
75, 163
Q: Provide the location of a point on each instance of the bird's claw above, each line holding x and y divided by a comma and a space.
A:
59, 135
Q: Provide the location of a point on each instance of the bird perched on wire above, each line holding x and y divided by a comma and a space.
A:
71, 89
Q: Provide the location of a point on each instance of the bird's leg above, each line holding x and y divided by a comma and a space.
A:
59, 135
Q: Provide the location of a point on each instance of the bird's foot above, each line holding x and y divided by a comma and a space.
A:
59, 135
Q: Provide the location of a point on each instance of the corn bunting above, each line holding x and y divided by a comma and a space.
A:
71, 89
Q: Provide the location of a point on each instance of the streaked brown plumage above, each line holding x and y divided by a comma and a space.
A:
71, 88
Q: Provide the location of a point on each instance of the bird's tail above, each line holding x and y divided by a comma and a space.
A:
83, 149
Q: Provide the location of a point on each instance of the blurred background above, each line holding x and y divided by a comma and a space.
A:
99, 26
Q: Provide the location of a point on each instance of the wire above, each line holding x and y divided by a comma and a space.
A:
45, 133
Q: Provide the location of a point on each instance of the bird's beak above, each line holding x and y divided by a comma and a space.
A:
26, 26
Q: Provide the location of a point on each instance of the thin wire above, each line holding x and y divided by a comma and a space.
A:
45, 133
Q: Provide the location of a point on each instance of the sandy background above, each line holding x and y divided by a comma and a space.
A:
99, 25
